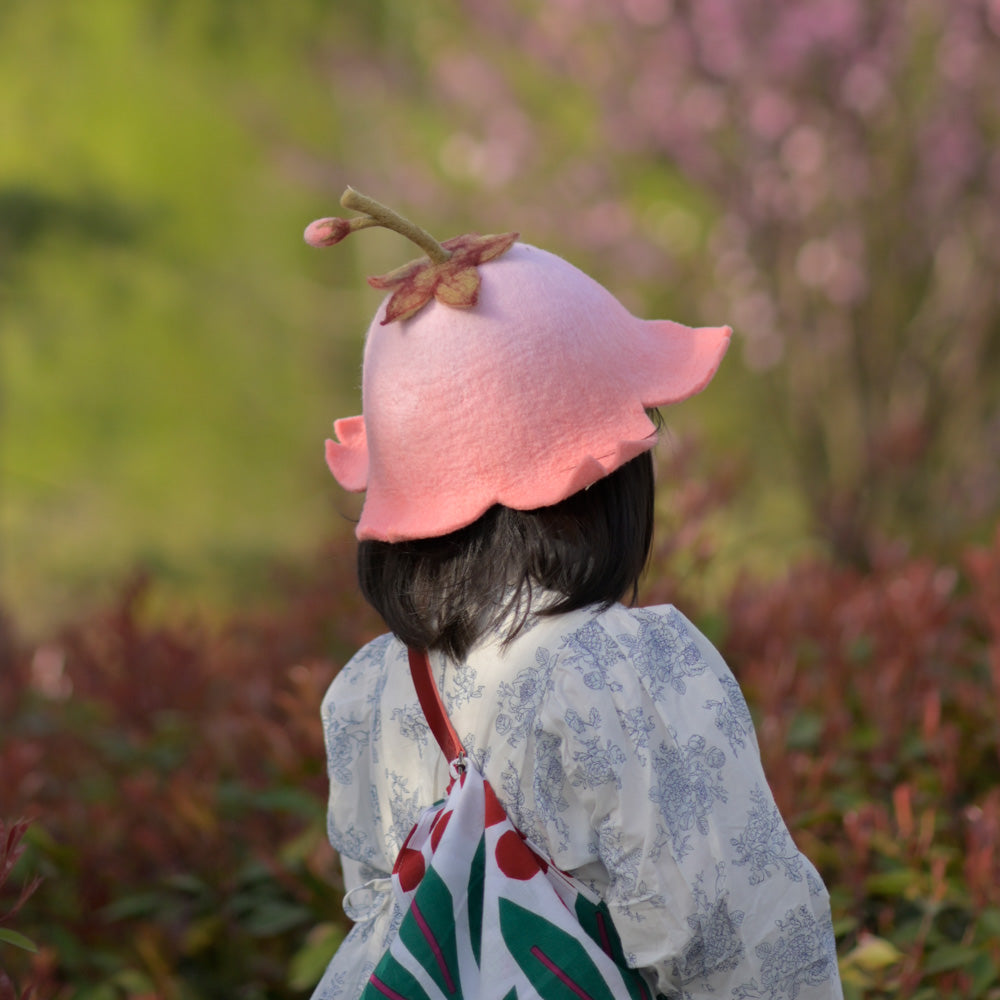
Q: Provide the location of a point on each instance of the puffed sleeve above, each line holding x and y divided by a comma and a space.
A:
350, 714
706, 887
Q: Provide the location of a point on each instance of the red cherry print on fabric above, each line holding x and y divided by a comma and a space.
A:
409, 869
514, 858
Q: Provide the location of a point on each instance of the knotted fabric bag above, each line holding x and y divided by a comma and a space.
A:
486, 917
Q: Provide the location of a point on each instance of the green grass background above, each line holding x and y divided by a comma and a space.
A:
172, 353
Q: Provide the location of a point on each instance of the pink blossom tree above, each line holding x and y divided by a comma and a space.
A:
823, 174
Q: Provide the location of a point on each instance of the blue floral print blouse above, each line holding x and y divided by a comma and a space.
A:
619, 742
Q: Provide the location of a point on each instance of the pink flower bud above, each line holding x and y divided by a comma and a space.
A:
326, 232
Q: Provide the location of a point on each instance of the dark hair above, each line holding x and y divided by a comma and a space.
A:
445, 593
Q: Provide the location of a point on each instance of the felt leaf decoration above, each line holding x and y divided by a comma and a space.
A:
454, 282
459, 290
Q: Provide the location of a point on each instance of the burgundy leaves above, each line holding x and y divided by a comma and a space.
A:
11, 850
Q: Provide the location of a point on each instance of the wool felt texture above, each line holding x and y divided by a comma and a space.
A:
533, 394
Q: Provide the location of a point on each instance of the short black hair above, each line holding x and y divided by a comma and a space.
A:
445, 593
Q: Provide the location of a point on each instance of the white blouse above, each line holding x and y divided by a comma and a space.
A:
619, 742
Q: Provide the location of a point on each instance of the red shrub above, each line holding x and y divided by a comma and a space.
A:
176, 773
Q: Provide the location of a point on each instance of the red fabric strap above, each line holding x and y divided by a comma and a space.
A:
433, 706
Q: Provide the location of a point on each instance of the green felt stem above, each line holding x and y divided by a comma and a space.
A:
388, 219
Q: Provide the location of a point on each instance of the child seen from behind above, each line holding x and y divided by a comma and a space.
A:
509, 412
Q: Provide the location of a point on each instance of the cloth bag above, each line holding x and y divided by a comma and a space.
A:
486, 916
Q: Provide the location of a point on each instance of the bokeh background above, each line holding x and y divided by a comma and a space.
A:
824, 175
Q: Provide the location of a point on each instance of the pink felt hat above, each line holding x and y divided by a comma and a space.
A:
536, 392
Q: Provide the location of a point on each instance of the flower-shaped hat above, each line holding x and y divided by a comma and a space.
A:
498, 373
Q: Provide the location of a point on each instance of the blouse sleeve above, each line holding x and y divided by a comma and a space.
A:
707, 890
351, 720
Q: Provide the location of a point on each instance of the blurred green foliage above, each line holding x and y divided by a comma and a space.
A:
172, 355
169, 361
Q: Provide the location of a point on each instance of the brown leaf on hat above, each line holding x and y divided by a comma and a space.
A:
453, 282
